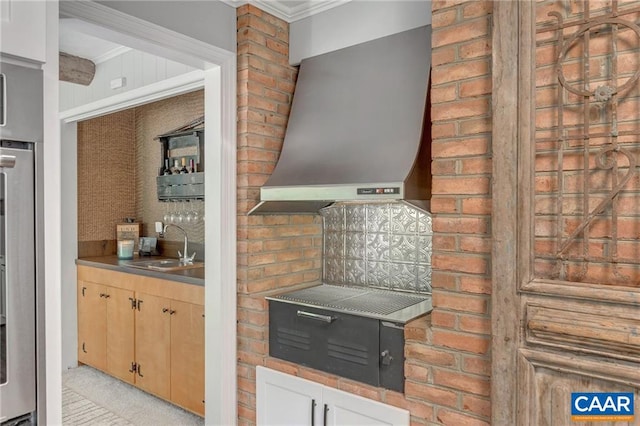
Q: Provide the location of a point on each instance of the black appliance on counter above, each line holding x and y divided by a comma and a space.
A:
353, 332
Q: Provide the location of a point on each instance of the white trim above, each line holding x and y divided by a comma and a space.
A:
110, 24
113, 53
290, 13
219, 67
153, 92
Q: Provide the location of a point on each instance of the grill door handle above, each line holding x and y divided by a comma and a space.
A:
313, 412
318, 317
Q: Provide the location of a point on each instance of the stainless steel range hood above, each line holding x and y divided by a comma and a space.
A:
359, 128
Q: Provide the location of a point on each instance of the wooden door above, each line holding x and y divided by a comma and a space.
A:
187, 356
120, 328
566, 253
152, 343
92, 325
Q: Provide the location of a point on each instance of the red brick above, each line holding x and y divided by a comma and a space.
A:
460, 302
444, 319
444, 18
416, 372
458, 185
461, 341
459, 33
460, 109
476, 206
462, 381
475, 324
451, 418
430, 394
476, 365
462, 225
475, 244
474, 284
459, 148
477, 405
444, 205
461, 71
475, 49
429, 355
477, 87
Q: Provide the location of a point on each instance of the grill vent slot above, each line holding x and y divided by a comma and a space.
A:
294, 338
357, 354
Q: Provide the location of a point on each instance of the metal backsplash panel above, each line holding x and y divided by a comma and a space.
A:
384, 245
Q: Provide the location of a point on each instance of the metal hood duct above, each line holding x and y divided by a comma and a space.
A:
359, 128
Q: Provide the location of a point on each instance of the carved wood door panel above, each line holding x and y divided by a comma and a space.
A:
566, 208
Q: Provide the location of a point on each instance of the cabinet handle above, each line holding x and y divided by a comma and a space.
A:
133, 368
139, 303
165, 310
106, 296
313, 412
139, 370
3, 100
171, 312
326, 410
83, 289
83, 349
324, 318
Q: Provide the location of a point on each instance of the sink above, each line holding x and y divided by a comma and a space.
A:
164, 265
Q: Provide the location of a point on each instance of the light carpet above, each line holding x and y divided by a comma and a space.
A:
90, 397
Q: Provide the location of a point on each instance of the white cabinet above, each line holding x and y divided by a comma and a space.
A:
283, 399
23, 28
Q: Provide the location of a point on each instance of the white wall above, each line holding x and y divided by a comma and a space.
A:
353, 23
138, 68
210, 21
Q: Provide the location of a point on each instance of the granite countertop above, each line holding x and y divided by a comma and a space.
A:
193, 276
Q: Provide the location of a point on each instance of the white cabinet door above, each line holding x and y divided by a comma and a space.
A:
344, 408
23, 28
283, 399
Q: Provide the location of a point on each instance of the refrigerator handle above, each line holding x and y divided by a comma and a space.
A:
8, 161
3, 99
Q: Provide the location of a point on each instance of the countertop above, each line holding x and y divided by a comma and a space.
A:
193, 276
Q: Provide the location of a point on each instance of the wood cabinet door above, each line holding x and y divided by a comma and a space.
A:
565, 264
152, 344
92, 325
283, 399
187, 356
120, 333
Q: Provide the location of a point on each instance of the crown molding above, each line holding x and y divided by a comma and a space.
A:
286, 12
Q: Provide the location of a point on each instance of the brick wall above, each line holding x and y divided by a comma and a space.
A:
447, 355
276, 251
458, 359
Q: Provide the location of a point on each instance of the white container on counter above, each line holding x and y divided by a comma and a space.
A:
125, 249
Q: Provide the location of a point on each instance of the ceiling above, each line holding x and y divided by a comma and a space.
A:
74, 39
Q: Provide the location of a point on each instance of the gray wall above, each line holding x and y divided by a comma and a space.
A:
210, 21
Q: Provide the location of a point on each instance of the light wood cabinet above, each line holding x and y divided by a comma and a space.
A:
187, 355
146, 331
105, 329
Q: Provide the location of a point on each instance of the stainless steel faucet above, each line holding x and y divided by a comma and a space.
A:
184, 258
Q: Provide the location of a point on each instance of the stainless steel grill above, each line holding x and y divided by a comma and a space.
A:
368, 301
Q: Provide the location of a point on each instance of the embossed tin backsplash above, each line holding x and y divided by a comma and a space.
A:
384, 245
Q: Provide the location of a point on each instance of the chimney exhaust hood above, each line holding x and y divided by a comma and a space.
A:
359, 128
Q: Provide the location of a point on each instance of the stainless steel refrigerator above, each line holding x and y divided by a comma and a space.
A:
20, 136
